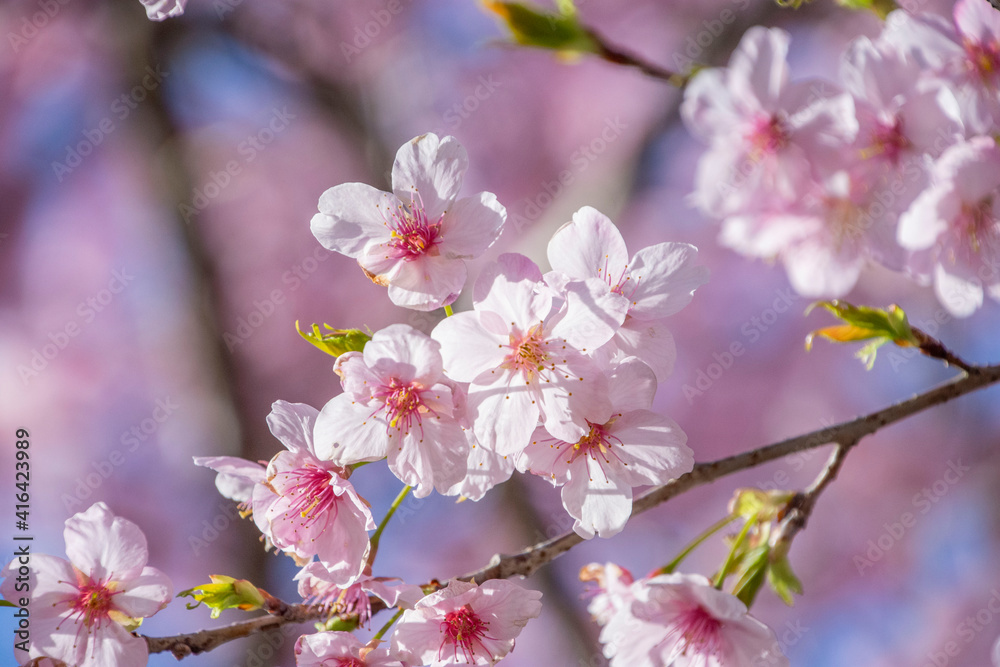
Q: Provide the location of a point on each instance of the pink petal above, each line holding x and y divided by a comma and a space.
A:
429, 170
292, 424
104, 546
650, 341
350, 431
506, 415
350, 216
978, 21
472, 225
145, 595
589, 247
631, 385
664, 278
236, 477
758, 69
400, 351
428, 283
467, 348
599, 505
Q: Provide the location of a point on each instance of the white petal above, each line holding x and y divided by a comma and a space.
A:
429, 172
352, 214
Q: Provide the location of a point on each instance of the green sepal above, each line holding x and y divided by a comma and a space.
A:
338, 624
225, 593
4, 603
335, 342
536, 27
753, 568
876, 325
880, 8
761, 505
782, 580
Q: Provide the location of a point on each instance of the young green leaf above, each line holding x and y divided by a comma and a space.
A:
335, 342
556, 31
877, 325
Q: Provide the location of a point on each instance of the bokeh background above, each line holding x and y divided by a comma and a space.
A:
156, 186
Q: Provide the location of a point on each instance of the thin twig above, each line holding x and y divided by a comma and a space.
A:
618, 56
846, 435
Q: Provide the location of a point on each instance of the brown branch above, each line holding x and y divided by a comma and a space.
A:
846, 435
801, 505
935, 349
618, 56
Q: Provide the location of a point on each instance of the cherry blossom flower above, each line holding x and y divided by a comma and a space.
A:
316, 586
659, 281
396, 404
415, 239
900, 114
83, 610
525, 356
954, 226
465, 624
827, 238
339, 649
683, 621
303, 504
965, 55
484, 469
614, 586
159, 10
768, 136
626, 446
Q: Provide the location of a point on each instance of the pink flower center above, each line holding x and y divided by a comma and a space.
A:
528, 353
598, 445
343, 662
404, 403
309, 491
413, 234
462, 629
983, 59
975, 224
93, 603
768, 135
698, 631
887, 141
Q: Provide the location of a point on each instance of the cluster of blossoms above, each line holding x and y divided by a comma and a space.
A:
897, 165
552, 374
680, 620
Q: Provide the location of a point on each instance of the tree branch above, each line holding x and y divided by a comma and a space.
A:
846, 435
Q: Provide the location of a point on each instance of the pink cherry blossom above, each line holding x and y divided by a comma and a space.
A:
397, 404
484, 469
659, 281
523, 349
303, 505
953, 227
683, 621
965, 55
312, 510
316, 586
900, 114
83, 609
414, 240
339, 649
827, 238
614, 586
768, 137
626, 446
465, 624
